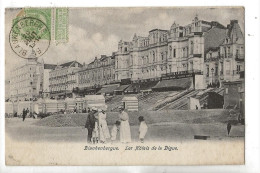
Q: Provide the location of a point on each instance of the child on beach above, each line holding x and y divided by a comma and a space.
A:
142, 129
95, 134
114, 131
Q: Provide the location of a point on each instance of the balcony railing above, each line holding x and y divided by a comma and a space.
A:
182, 72
230, 55
215, 58
239, 57
236, 72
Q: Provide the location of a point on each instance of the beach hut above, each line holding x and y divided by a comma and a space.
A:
80, 104
70, 104
9, 109
130, 103
40, 105
60, 105
50, 106
97, 101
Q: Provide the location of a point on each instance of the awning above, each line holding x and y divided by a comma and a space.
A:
173, 84
141, 86
122, 88
132, 88
148, 85
107, 89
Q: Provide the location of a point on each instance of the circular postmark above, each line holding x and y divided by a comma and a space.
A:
29, 37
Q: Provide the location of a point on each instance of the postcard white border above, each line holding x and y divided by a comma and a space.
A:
252, 28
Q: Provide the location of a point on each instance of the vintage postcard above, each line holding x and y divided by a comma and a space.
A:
124, 86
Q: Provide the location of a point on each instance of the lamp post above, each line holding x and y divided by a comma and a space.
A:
212, 71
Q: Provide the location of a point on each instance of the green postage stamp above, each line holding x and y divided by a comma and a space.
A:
56, 20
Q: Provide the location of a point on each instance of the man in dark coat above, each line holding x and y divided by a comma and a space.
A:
24, 114
229, 127
90, 123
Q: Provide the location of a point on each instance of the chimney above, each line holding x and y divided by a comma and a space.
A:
228, 26
232, 22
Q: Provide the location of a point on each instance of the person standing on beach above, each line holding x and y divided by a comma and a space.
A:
90, 124
229, 127
28, 112
114, 131
142, 129
103, 129
125, 133
24, 114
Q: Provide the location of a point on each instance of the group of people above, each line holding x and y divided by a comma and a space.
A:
98, 130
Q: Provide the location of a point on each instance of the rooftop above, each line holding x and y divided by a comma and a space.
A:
68, 64
49, 66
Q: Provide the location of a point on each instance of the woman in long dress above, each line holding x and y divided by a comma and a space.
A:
125, 134
103, 129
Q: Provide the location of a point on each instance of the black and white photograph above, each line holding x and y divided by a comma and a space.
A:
125, 86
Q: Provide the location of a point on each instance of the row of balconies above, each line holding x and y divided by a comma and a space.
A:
221, 73
103, 78
58, 77
165, 59
230, 55
182, 72
238, 57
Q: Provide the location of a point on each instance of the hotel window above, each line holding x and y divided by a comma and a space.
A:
237, 53
238, 68
207, 70
153, 56
174, 52
221, 68
191, 47
162, 56
183, 52
228, 68
216, 69
170, 50
228, 51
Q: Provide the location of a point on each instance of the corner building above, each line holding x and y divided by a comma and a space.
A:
225, 60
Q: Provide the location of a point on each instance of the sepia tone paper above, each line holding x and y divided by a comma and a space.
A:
181, 69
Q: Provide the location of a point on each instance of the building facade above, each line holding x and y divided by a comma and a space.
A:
207, 48
191, 48
23, 83
226, 61
63, 79
45, 76
98, 72
30, 81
